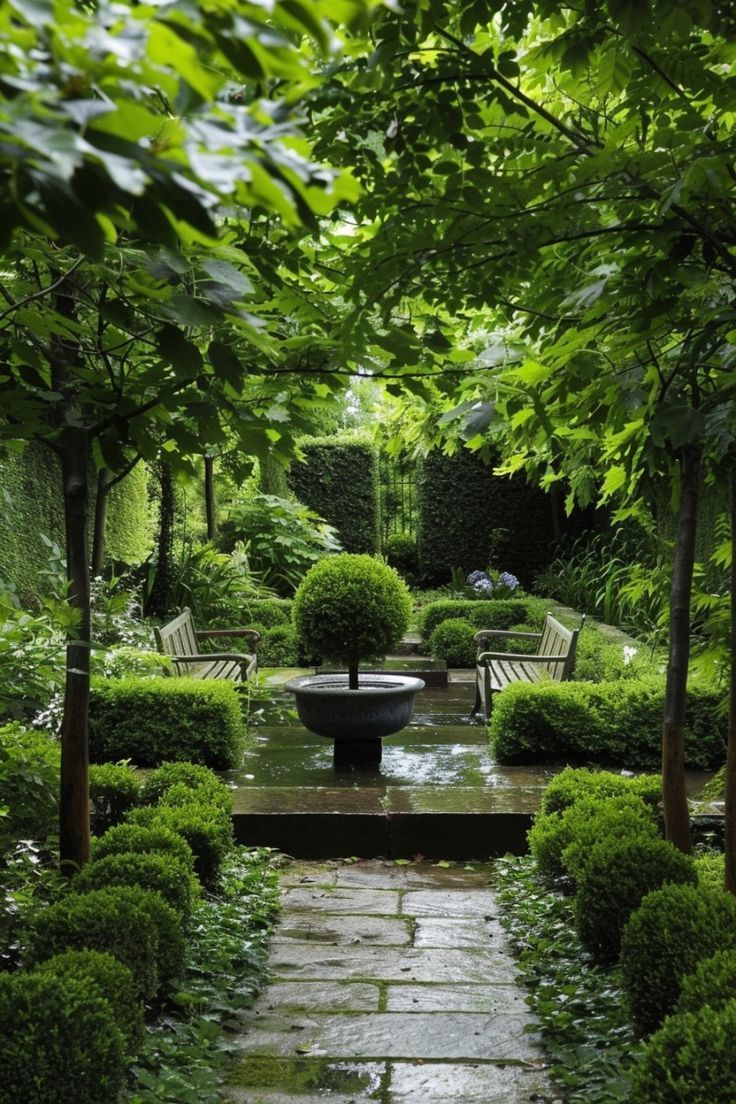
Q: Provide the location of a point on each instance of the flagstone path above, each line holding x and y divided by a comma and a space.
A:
392, 984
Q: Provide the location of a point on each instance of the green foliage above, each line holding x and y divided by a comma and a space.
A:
340, 479
130, 524
711, 870
29, 785
469, 517
161, 873
560, 841
206, 829
497, 613
574, 783
712, 984
351, 607
200, 784
120, 661
58, 1041
28, 882
152, 720
120, 920
278, 647
31, 655
599, 660
402, 552
114, 983
282, 538
267, 612
214, 585
454, 641
664, 940
581, 1008
125, 838
617, 875
617, 723
114, 789
690, 1060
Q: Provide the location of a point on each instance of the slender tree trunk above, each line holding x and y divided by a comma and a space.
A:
159, 597
352, 674
102, 498
209, 497
74, 830
676, 816
730, 782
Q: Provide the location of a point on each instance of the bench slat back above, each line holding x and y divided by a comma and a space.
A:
178, 636
558, 640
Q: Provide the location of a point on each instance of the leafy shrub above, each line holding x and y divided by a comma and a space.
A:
152, 720
267, 612
159, 872
113, 981
278, 647
350, 607
599, 660
58, 1041
573, 783
213, 584
31, 654
29, 784
119, 662
200, 782
453, 640
711, 870
713, 983
616, 723
664, 940
282, 538
617, 876
690, 1060
339, 478
498, 613
559, 841
205, 828
114, 790
119, 920
124, 838
401, 552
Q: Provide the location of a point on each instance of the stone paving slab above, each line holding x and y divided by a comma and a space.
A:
422, 1035
468, 1084
323, 996
292, 961
490, 999
316, 927
450, 903
367, 902
459, 933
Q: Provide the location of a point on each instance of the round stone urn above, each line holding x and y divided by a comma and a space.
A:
355, 719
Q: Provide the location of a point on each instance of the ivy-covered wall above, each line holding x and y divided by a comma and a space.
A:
338, 478
30, 486
470, 518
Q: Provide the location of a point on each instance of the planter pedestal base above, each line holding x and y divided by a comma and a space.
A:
357, 754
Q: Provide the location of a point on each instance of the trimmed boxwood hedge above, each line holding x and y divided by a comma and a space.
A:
207, 830
58, 1041
124, 838
614, 723
162, 873
339, 479
494, 613
690, 1060
152, 720
469, 517
114, 789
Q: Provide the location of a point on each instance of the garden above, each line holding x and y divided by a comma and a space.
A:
359, 358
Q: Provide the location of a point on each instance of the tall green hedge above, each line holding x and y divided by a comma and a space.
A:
31, 508
469, 517
339, 479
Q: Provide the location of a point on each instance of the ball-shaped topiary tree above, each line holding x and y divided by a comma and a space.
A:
351, 607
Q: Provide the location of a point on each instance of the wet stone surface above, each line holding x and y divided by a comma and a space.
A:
351, 1015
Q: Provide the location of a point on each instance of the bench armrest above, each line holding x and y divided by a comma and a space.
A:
205, 657
209, 634
486, 634
487, 657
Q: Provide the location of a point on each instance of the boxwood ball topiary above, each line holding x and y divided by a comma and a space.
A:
713, 983
144, 841
674, 929
690, 1060
454, 642
162, 873
351, 607
58, 1042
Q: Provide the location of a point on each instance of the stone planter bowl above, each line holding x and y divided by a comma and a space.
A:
382, 705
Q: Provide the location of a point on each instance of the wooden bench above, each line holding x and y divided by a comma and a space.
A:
554, 658
180, 641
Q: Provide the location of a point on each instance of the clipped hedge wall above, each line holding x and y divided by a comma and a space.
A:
469, 517
339, 479
150, 721
32, 508
611, 723
496, 613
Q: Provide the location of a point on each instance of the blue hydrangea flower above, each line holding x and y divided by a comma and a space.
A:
506, 579
475, 577
483, 586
